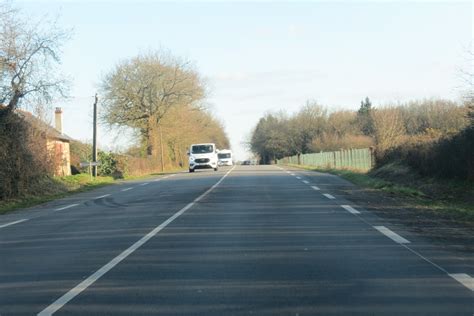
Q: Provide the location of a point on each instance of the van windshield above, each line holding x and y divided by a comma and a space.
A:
202, 149
223, 156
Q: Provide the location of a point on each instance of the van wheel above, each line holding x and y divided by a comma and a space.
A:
191, 170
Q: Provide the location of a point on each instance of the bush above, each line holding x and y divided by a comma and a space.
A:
24, 156
448, 157
108, 164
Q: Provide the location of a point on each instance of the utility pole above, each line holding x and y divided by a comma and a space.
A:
161, 144
94, 137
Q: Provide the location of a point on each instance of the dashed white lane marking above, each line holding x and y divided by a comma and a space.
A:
315, 188
299, 178
60, 302
13, 223
329, 196
464, 279
146, 183
350, 209
131, 188
306, 182
392, 235
293, 174
66, 207
288, 172
102, 196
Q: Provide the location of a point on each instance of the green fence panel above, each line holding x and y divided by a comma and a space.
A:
349, 158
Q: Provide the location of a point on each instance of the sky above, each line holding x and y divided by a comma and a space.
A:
264, 56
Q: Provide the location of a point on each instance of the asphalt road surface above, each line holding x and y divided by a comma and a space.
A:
248, 240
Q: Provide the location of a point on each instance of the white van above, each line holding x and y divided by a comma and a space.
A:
225, 157
203, 156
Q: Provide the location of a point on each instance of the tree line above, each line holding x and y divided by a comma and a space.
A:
397, 131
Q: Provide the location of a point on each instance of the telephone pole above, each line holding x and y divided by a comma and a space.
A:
161, 145
94, 137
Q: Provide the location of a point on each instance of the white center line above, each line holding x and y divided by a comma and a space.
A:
13, 223
66, 207
304, 181
102, 196
60, 302
315, 188
329, 196
464, 279
130, 188
350, 209
145, 183
392, 235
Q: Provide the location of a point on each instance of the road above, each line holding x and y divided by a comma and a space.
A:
248, 240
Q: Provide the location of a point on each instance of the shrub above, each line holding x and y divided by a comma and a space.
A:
448, 157
24, 156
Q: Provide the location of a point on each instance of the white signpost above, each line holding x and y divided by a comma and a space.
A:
90, 164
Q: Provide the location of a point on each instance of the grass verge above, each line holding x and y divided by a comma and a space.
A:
48, 189
447, 198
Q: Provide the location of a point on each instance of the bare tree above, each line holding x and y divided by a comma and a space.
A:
29, 55
138, 92
307, 124
389, 129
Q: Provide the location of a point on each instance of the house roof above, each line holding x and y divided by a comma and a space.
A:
50, 131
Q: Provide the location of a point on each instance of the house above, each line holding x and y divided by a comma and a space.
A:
57, 142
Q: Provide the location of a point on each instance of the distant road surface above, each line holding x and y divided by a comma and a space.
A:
247, 240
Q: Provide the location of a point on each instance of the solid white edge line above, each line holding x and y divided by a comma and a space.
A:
66, 207
165, 177
329, 196
464, 279
60, 302
130, 188
13, 223
315, 188
102, 196
350, 209
392, 235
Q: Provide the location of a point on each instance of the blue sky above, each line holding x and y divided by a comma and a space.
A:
265, 56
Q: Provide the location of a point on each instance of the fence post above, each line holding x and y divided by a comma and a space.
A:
372, 157
351, 161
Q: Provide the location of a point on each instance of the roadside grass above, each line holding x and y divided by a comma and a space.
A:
447, 198
48, 189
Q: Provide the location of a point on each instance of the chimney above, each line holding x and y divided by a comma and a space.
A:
58, 115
